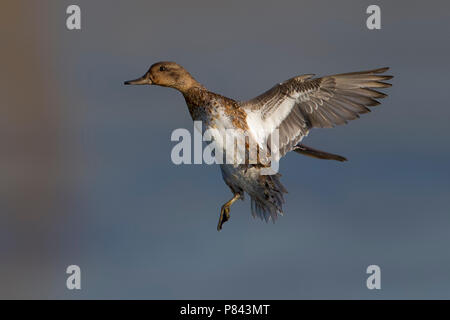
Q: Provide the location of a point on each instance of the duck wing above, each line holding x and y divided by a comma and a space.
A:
304, 102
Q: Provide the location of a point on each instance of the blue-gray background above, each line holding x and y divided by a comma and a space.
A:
86, 176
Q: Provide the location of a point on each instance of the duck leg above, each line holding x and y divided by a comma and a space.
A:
225, 211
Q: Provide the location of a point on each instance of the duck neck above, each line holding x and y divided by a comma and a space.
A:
195, 97
195, 94
187, 84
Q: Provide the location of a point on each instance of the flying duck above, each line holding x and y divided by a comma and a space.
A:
290, 109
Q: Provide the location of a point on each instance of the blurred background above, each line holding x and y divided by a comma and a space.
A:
86, 176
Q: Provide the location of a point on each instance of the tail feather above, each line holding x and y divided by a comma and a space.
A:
267, 203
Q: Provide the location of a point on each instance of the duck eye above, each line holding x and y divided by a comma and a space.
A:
162, 68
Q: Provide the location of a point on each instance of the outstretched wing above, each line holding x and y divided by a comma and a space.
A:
301, 103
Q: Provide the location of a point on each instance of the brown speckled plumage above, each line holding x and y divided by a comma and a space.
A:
199, 100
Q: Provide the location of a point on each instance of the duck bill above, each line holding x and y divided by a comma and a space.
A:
139, 81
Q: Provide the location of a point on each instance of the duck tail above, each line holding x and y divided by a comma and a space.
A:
267, 203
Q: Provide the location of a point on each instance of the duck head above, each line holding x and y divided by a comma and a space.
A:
167, 74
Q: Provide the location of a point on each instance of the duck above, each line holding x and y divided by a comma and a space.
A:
286, 113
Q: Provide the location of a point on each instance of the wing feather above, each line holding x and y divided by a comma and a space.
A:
302, 103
